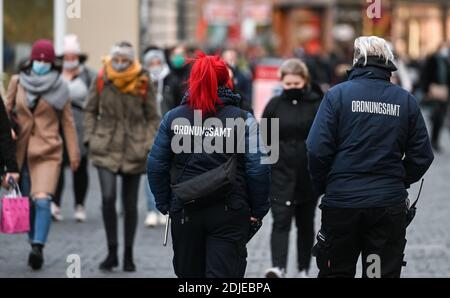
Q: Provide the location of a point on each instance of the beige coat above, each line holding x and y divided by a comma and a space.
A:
119, 128
40, 140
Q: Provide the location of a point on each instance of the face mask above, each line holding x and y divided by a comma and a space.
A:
295, 94
41, 68
155, 71
178, 61
71, 65
120, 67
444, 52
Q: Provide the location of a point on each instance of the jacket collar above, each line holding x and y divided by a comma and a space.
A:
226, 96
375, 68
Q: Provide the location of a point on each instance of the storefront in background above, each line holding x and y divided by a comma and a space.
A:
418, 28
233, 22
306, 24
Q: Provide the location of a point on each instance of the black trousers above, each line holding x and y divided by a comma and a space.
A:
438, 118
80, 184
130, 188
282, 222
210, 243
347, 233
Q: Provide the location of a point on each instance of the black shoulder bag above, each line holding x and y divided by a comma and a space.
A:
210, 187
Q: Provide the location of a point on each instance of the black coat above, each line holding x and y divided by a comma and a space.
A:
436, 70
291, 183
8, 161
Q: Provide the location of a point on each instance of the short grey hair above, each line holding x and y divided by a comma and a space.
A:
372, 46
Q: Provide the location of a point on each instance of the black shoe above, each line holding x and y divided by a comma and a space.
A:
109, 263
128, 264
36, 257
111, 260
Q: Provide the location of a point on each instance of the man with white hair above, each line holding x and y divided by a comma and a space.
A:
367, 145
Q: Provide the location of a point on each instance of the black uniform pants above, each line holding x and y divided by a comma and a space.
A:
281, 227
211, 242
347, 233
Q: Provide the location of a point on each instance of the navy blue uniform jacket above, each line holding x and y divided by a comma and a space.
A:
368, 142
254, 176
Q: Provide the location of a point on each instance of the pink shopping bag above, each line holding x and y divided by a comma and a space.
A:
15, 213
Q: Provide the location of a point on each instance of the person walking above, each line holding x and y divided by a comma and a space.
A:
435, 83
79, 78
368, 144
155, 63
292, 195
209, 232
120, 122
8, 164
38, 99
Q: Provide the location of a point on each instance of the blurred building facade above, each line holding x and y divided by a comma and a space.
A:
416, 27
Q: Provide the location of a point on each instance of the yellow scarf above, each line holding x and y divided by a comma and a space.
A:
130, 81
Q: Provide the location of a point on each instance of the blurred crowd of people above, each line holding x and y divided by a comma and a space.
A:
110, 117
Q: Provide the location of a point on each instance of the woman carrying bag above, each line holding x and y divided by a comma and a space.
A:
213, 198
38, 101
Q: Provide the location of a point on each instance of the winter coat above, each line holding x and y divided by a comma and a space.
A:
369, 141
8, 161
253, 177
291, 182
39, 142
119, 128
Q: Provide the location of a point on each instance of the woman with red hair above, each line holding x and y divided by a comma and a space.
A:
213, 197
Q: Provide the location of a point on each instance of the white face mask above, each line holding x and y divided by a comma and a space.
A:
71, 65
155, 71
444, 52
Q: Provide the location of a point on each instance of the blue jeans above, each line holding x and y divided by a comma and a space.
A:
151, 204
40, 214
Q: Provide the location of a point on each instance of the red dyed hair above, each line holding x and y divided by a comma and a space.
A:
208, 73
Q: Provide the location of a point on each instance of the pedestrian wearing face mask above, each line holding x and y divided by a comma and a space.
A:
176, 86
435, 80
79, 78
38, 102
120, 122
292, 195
156, 65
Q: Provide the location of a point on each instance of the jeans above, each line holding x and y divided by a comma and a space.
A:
40, 214
130, 187
151, 204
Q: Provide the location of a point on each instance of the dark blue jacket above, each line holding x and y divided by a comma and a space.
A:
369, 142
253, 177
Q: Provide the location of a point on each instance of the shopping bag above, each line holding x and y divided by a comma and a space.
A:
14, 213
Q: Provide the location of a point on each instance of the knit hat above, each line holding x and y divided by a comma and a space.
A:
154, 54
71, 45
43, 50
123, 49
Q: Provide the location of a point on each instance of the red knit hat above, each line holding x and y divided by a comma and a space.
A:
43, 50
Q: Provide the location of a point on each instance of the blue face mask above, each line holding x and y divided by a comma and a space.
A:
41, 68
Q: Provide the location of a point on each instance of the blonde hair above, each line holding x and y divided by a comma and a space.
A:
372, 46
295, 66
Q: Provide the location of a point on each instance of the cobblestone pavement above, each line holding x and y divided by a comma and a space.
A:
427, 253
